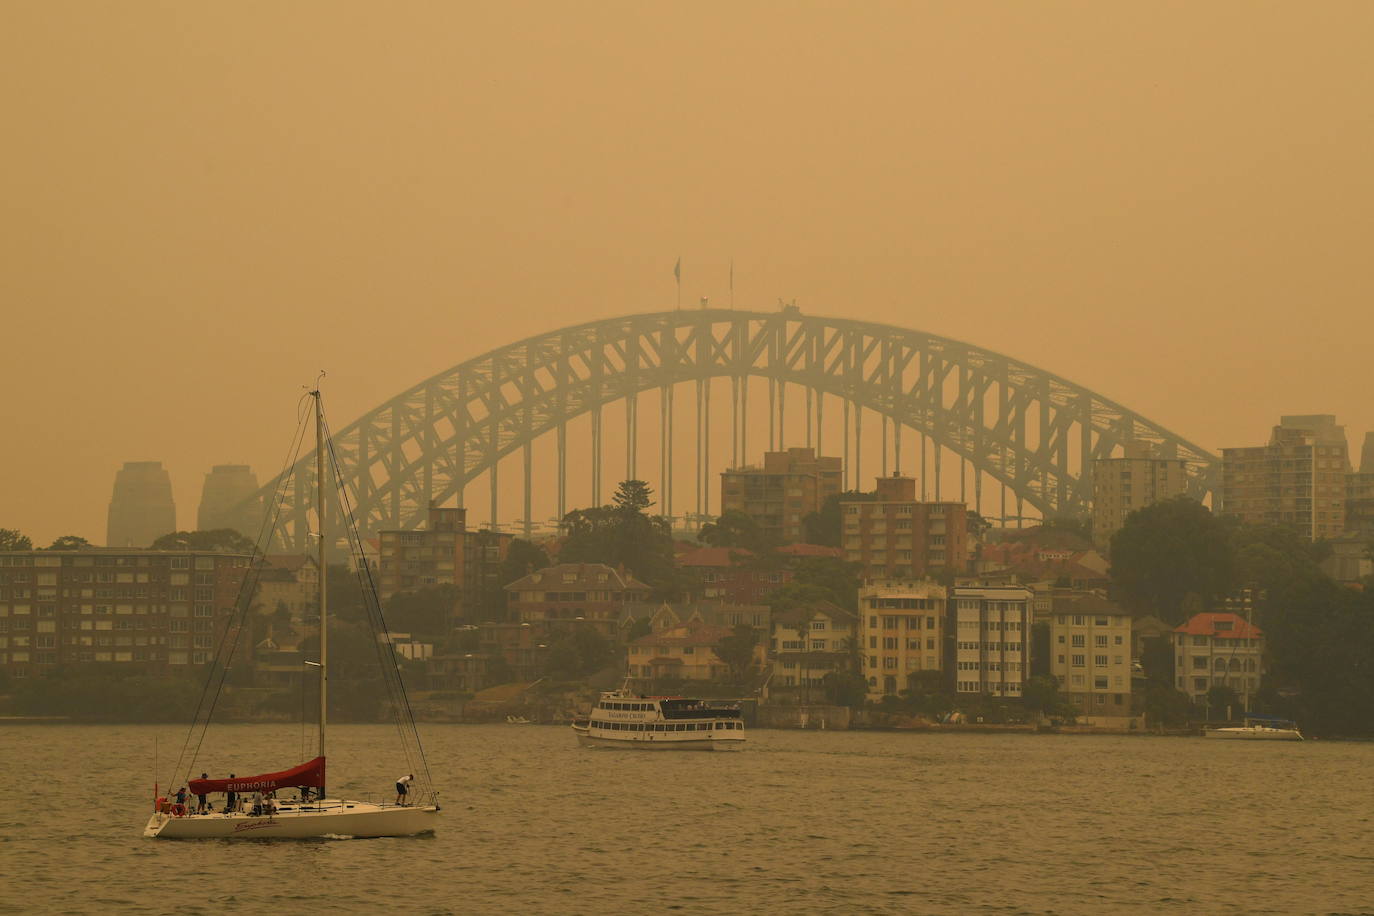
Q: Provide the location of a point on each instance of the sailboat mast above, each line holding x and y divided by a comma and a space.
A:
323, 515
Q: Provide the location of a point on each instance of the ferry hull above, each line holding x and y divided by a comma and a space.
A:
355, 819
649, 744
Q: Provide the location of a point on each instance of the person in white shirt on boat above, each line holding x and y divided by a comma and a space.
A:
403, 788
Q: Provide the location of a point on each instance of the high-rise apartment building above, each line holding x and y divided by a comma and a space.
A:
1359, 494
1090, 654
228, 499
894, 536
1299, 479
992, 631
1134, 481
790, 485
424, 557
901, 632
141, 507
147, 609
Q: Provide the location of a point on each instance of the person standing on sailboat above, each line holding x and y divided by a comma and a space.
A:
402, 789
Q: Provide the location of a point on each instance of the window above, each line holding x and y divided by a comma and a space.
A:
1099, 661
1078, 640
1100, 683
1078, 661
1100, 642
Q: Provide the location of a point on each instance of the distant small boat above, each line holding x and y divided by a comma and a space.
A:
517, 720
1258, 728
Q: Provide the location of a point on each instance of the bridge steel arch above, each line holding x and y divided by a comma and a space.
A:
1034, 431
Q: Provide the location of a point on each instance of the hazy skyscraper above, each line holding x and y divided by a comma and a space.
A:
141, 509
227, 500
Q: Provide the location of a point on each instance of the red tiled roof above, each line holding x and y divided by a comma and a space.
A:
810, 550
714, 556
694, 632
585, 575
1206, 625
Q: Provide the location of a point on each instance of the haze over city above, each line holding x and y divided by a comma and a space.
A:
206, 204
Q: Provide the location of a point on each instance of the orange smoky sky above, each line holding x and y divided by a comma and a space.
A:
205, 203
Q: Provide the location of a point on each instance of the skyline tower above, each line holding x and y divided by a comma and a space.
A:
141, 507
226, 500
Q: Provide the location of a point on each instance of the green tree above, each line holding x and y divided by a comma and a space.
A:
1167, 551
642, 626
427, 613
226, 539
1223, 701
578, 653
622, 533
69, 542
1166, 707
737, 652
1157, 658
1041, 695
823, 526
11, 539
840, 577
736, 529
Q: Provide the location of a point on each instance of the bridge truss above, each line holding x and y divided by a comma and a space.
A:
1033, 432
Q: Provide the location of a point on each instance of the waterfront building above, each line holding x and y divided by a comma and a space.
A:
808, 644
141, 506
902, 625
892, 535
663, 615
424, 557
1090, 655
1135, 480
1218, 650
778, 495
228, 499
1299, 479
1359, 494
723, 575
150, 610
484, 559
291, 581
991, 627
561, 597
684, 652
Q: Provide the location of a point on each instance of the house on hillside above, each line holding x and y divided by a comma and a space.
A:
684, 652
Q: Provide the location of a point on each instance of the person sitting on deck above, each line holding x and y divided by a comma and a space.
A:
402, 789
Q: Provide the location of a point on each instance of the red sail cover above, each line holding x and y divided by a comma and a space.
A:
307, 774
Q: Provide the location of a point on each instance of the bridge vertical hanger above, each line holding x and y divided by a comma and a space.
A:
596, 455
562, 434
529, 486
706, 448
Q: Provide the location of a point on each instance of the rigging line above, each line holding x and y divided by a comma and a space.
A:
291, 451
391, 677
242, 606
370, 599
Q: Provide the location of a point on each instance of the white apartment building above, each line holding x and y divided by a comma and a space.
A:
901, 632
1218, 650
1090, 656
992, 628
809, 643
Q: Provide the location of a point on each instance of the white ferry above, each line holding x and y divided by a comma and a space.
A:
623, 719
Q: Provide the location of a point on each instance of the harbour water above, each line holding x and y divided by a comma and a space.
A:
800, 822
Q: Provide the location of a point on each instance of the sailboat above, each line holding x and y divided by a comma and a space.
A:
313, 813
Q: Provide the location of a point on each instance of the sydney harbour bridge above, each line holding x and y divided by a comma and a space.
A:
976, 426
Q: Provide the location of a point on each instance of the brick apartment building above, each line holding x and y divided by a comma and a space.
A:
563, 596
789, 485
150, 609
893, 536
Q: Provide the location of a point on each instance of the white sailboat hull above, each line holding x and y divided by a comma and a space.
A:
335, 819
1254, 733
